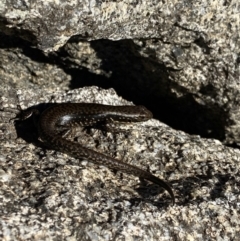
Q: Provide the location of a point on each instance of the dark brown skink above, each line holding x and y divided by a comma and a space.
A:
58, 119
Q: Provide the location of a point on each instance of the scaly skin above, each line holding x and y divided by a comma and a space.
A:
61, 117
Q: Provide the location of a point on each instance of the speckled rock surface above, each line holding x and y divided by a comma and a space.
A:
47, 195
179, 59
183, 57
51, 23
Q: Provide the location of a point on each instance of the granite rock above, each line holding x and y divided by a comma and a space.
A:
47, 195
181, 60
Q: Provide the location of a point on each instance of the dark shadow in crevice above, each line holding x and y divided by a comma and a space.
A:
25, 47
10, 33
146, 81
132, 77
142, 80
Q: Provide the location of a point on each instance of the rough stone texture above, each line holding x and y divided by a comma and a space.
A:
180, 59
51, 23
47, 195
183, 56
